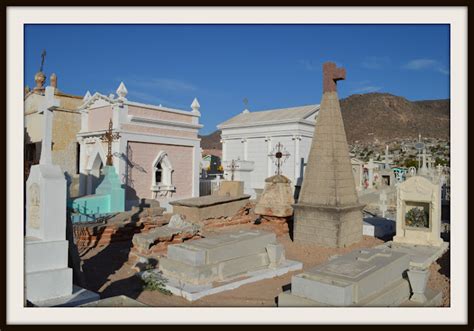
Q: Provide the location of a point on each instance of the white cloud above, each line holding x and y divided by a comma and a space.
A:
375, 62
426, 64
310, 65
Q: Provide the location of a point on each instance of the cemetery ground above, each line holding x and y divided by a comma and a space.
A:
108, 272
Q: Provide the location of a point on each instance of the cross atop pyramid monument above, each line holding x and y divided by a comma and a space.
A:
328, 211
331, 74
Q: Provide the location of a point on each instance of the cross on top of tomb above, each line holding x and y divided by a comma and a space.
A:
423, 157
110, 137
43, 56
387, 158
371, 165
279, 155
331, 74
232, 167
440, 168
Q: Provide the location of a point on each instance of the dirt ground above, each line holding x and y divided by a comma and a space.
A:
107, 272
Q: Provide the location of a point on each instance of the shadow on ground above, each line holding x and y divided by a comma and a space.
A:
99, 269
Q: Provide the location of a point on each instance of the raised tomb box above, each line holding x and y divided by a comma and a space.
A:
366, 277
206, 266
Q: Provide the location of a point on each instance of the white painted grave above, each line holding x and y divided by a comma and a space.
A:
46, 248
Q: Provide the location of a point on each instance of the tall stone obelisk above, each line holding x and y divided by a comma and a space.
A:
328, 212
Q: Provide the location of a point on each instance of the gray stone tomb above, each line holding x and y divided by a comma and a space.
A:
206, 266
366, 277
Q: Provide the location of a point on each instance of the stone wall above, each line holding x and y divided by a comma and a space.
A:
159, 114
158, 131
327, 228
99, 118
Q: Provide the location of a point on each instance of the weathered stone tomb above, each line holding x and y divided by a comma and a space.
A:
205, 266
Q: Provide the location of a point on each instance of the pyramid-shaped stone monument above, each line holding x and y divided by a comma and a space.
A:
328, 212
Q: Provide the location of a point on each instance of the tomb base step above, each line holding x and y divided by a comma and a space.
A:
392, 296
433, 299
45, 255
206, 274
194, 292
48, 284
79, 296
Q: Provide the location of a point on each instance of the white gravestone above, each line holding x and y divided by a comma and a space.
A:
371, 166
46, 248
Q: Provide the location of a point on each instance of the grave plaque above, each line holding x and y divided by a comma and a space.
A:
34, 206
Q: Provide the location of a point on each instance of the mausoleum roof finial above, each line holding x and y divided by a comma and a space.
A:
122, 91
195, 106
87, 96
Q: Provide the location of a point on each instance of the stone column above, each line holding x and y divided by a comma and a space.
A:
418, 279
244, 141
269, 160
224, 150
297, 139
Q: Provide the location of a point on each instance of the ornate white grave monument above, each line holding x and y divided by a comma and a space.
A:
47, 275
419, 212
418, 232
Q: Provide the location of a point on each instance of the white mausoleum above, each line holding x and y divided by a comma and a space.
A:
250, 137
157, 155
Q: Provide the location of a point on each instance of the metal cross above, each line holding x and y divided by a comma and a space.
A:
43, 55
278, 153
109, 137
232, 168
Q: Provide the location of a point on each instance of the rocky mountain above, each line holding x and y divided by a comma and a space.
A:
212, 141
386, 117
383, 117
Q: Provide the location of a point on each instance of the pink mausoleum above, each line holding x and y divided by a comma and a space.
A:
157, 155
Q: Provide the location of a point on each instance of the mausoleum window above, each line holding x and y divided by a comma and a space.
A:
162, 183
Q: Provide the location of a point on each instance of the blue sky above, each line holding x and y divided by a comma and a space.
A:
273, 66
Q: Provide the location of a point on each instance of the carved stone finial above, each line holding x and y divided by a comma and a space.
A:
331, 74
40, 78
122, 91
53, 80
87, 96
195, 105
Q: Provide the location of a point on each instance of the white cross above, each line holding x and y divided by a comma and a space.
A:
383, 205
371, 167
46, 108
439, 167
423, 169
387, 158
